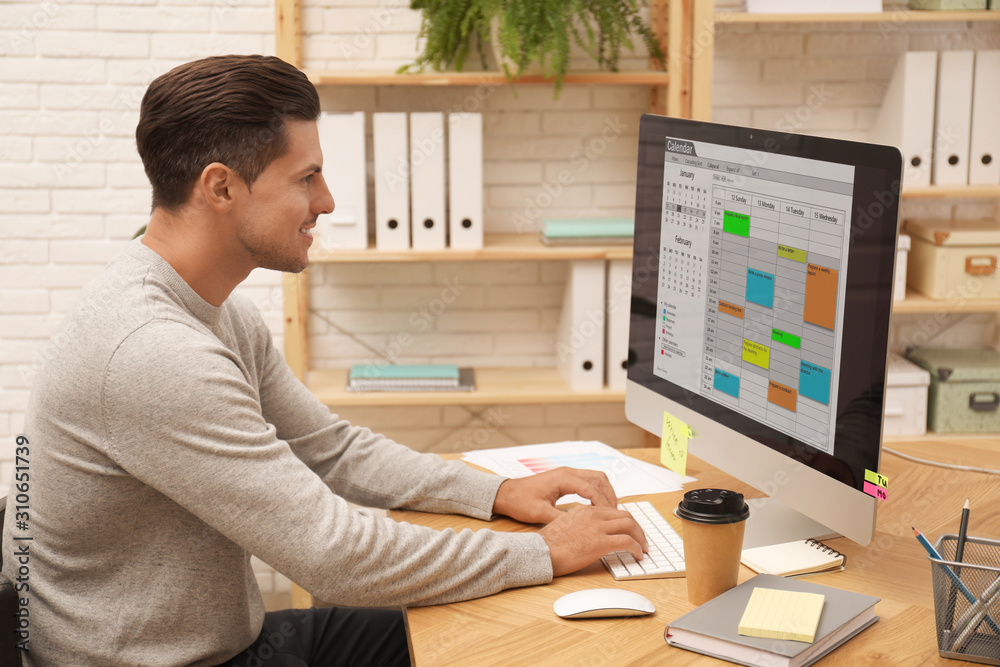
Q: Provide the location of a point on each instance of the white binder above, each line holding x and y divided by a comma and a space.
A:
391, 149
465, 180
906, 119
953, 118
342, 140
984, 147
427, 180
580, 340
619, 293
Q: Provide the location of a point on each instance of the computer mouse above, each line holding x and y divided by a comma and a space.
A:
602, 602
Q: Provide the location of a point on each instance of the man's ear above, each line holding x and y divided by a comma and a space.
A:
216, 185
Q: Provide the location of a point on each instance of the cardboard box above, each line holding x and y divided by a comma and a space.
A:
954, 260
905, 398
899, 282
964, 394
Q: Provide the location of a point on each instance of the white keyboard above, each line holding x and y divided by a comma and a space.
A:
666, 549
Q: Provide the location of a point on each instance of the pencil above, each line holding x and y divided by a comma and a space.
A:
959, 552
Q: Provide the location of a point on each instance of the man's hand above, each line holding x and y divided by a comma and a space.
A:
533, 499
580, 536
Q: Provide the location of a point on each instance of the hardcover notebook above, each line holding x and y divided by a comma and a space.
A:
794, 558
587, 231
410, 377
713, 628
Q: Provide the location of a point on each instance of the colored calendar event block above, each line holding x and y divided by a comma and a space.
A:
785, 338
814, 382
730, 309
779, 394
756, 354
760, 288
821, 296
727, 382
791, 253
736, 223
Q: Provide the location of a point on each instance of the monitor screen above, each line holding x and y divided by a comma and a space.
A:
761, 293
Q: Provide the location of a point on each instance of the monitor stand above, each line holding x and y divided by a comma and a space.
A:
773, 522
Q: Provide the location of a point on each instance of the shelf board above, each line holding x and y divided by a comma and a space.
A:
941, 439
496, 247
390, 78
942, 191
895, 17
494, 386
916, 303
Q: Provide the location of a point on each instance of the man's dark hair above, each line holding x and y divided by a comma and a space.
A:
227, 109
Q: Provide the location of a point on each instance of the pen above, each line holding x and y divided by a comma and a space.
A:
929, 548
962, 530
973, 616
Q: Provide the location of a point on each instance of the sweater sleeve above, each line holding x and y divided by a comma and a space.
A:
364, 467
185, 415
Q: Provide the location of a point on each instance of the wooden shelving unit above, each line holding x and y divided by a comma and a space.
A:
953, 192
494, 386
916, 303
388, 78
686, 28
670, 91
672, 23
900, 16
932, 438
496, 247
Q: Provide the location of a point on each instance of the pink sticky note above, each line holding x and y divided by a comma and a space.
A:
876, 491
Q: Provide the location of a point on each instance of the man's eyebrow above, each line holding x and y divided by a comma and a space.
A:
312, 169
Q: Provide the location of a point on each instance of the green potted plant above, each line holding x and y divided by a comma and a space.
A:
524, 33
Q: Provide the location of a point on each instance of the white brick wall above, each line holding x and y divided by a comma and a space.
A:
72, 189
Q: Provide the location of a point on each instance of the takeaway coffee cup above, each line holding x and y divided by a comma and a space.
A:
712, 523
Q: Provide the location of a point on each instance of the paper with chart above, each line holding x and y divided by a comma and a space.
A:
629, 476
752, 283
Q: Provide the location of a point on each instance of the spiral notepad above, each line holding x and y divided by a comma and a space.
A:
794, 558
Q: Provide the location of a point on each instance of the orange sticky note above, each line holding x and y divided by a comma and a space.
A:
674, 444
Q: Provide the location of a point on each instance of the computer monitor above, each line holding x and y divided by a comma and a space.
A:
762, 280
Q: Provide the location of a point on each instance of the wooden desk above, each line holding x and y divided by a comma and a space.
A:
518, 627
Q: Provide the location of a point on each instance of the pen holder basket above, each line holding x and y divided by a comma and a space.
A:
967, 599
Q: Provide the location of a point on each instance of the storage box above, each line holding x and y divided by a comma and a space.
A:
954, 260
905, 398
964, 394
899, 282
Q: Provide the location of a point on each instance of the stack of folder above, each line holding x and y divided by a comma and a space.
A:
597, 231
940, 110
410, 377
418, 202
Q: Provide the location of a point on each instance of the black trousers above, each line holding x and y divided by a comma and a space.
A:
328, 637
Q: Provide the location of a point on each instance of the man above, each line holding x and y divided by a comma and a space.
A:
169, 441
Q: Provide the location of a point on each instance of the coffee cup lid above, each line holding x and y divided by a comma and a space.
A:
713, 506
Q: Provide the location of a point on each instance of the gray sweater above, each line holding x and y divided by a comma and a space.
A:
169, 441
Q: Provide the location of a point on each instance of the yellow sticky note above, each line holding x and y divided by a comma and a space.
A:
674, 444
774, 614
877, 479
